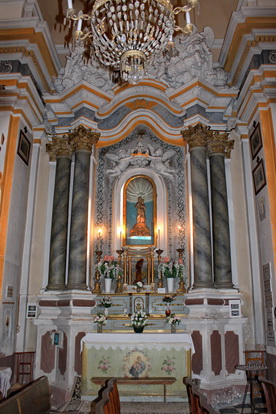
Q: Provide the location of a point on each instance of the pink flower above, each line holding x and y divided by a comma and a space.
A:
165, 260
111, 258
106, 258
180, 261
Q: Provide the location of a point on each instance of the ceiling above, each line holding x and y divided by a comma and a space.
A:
213, 13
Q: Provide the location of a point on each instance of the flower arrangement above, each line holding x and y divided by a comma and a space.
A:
138, 319
170, 268
168, 298
108, 267
100, 319
105, 302
139, 285
173, 319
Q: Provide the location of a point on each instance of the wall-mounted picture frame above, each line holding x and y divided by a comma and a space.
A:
259, 177
24, 148
255, 140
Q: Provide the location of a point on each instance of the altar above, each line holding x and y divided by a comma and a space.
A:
133, 355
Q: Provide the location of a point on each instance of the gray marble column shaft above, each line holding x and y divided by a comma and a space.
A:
221, 235
79, 222
57, 265
201, 219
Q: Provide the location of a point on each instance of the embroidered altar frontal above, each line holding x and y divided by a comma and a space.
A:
137, 356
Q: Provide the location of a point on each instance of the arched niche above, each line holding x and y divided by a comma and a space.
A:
161, 212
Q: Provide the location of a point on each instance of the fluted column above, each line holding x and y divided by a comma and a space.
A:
197, 137
82, 140
219, 147
61, 151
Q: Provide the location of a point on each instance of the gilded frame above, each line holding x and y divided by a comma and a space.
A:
259, 177
154, 230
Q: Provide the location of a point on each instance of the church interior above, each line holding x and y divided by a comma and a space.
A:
137, 195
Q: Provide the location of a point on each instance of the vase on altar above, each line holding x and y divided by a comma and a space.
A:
99, 327
138, 329
107, 284
170, 283
106, 312
173, 328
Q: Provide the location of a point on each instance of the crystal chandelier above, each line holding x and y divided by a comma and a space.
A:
125, 33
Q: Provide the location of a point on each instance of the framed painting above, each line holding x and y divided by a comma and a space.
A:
259, 177
255, 140
24, 148
139, 212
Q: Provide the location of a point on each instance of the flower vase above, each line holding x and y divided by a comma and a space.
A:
168, 310
170, 283
106, 312
107, 284
99, 327
138, 329
173, 328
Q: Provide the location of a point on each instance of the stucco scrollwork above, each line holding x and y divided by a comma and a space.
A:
76, 70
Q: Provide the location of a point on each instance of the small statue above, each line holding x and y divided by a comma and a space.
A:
139, 273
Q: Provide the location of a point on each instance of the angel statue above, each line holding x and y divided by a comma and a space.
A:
120, 162
160, 161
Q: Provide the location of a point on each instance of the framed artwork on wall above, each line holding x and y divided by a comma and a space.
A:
255, 140
259, 177
24, 148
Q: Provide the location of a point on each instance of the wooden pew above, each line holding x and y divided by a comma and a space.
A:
197, 400
138, 381
269, 389
109, 401
32, 398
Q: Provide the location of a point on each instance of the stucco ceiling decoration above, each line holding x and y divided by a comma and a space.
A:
192, 59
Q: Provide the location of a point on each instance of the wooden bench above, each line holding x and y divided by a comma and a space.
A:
31, 398
108, 401
197, 400
139, 381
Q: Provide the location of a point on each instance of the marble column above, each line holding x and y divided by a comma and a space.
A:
219, 147
82, 140
61, 151
197, 138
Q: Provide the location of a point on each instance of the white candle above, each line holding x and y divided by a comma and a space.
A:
79, 25
188, 18
120, 238
158, 238
70, 4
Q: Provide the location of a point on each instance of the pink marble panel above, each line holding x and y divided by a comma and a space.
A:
231, 351
47, 353
197, 361
78, 360
216, 352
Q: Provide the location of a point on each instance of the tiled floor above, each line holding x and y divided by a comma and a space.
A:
260, 408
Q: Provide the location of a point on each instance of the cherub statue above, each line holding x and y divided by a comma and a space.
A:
160, 161
120, 162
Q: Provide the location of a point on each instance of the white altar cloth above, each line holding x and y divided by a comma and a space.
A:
5, 376
156, 341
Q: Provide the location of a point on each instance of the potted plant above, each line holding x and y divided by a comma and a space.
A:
173, 320
105, 303
109, 269
100, 319
138, 321
170, 270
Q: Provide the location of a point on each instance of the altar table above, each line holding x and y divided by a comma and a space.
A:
131, 355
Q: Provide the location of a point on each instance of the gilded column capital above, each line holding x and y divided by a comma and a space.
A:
59, 147
218, 143
83, 138
196, 136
